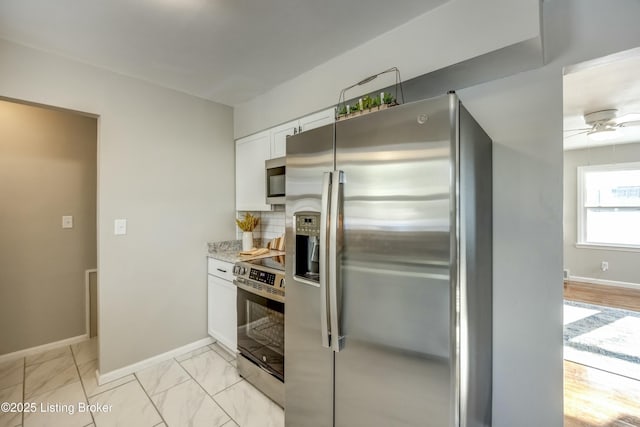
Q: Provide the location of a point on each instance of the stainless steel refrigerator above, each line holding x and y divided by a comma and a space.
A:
388, 317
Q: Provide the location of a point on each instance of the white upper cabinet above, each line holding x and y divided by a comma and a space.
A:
279, 138
279, 133
316, 120
251, 153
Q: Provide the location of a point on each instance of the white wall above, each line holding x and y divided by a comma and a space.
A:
453, 32
523, 115
165, 162
585, 262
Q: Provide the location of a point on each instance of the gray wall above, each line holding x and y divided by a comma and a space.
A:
165, 163
585, 262
453, 32
523, 114
47, 170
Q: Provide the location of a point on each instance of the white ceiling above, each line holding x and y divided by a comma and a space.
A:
227, 51
608, 83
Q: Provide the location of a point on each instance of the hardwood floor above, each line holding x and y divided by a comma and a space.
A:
595, 398
610, 296
592, 397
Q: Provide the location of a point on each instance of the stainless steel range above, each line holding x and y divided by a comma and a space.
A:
260, 302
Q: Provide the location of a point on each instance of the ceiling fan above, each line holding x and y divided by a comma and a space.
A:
604, 124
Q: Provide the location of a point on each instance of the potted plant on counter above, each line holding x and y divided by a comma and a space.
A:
247, 224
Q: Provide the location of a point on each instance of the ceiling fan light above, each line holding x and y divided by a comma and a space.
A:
601, 116
628, 118
604, 134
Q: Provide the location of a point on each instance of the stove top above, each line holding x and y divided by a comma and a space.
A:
275, 262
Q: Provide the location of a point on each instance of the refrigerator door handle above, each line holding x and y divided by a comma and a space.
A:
322, 261
335, 250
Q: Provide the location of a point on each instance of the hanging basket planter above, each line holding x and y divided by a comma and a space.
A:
368, 103
356, 113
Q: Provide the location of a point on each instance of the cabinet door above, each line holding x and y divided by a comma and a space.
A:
279, 138
222, 317
251, 153
318, 119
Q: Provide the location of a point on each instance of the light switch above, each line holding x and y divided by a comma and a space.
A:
120, 227
67, 221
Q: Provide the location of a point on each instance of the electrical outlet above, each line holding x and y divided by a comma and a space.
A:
604, 266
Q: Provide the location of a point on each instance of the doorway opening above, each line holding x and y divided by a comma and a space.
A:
48, 248
602, 241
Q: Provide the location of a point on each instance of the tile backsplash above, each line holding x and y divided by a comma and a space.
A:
271, 224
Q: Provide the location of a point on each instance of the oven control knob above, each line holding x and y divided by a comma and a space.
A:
282, 283
243, 270
236, 269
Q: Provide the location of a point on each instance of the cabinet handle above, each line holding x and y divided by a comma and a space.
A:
221, 270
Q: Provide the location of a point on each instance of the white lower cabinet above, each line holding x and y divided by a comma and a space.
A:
221, 295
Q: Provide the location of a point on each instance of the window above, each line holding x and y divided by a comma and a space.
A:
609, 205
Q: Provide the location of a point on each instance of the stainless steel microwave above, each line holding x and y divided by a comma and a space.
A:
275, 182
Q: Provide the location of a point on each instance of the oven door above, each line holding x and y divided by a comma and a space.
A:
261, 331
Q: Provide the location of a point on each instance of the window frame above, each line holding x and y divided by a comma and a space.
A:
581, 209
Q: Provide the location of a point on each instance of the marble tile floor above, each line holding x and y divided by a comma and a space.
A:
200, 388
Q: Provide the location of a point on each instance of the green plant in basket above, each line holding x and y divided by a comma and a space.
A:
355, 107
248, 223
366, 102
342, 111
388, 98
375, 102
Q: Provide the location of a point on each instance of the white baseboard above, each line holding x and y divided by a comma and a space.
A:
628, 285
39, 349
224, 342
135, 367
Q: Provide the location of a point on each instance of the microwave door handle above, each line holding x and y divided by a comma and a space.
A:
323, 268
335, 251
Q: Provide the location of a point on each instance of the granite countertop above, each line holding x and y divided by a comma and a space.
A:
229, 251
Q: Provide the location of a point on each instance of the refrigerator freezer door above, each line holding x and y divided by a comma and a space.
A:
396, 366
308, 365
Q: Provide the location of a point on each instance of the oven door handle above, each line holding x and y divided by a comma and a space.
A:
251, 290
322, 259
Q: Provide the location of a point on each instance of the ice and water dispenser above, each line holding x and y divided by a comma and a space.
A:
307, 246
